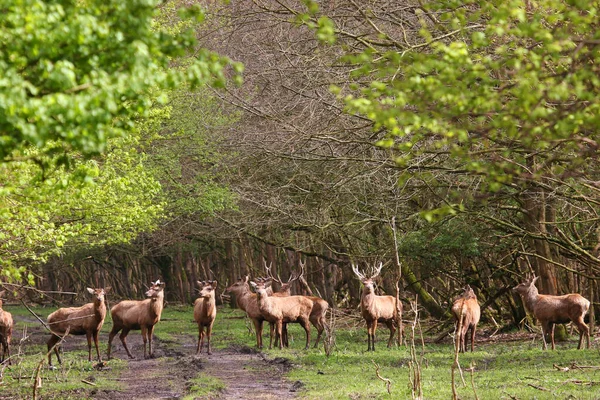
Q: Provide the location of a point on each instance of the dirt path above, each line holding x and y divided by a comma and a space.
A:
245, 373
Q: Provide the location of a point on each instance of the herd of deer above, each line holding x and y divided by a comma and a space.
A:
280, 308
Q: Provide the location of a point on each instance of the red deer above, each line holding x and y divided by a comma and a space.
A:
246, 300
319, 309
85, 320
466, 311
138, 314
6, 327
279, 310
551, 310
374, 308
205, 312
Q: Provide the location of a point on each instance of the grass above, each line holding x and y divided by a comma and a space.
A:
204, 386
65, 382
502, 370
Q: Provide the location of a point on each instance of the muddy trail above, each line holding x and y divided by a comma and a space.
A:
245, 373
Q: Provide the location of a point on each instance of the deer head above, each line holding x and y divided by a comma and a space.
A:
98, 293
155, 289
368, 282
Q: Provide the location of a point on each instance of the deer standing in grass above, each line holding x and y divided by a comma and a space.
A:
319, 308
466, 311
374, 308
138, 314
85, 320
551, 310
6, 327
205, 312
279, 310
246, 300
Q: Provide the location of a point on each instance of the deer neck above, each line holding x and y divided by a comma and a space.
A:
531, 297
99, 309
367, 300
156, 304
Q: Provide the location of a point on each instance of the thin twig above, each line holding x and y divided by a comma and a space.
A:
388, 383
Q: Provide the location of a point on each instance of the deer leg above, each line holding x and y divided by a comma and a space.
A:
320, 327
306, 325
472, 337
111, 336
208, 335
123, 337
284, 335
200, 337
7, 351
272, 335
88, 336
552, 325
150, 334
392, 328
52, 346
584, 330
258, 331
544, 332
279, 328
95, 336
373, 330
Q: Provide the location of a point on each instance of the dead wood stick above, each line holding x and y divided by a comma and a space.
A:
538, 387
387, 382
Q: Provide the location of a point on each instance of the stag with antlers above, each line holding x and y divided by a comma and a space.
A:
374, 308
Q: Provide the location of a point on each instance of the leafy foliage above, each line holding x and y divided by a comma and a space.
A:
75, 74
115, 201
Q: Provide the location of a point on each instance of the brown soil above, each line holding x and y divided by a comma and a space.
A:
246, 373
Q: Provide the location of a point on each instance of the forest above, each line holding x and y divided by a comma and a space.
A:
451, 142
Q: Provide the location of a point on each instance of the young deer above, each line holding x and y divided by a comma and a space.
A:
278, 310
205, 312
246, 300
85, 320
6, 327
466, 312
374, 308
551, 310
138, 314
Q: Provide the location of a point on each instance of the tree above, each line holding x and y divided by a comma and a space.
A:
75, 74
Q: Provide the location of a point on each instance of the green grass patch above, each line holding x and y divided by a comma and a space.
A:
204, 386
504, 370
66, 381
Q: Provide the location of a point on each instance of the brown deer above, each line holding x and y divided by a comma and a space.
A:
319, 309
205, 312
551, 310
6, 327
138, 314
278, 310
85, 320
466, 312
246, 300
374, 308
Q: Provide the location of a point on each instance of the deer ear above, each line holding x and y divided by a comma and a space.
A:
246, 278
253, 284
214, 284
199, 283
90, 290
107, 289
534, 280
2, 293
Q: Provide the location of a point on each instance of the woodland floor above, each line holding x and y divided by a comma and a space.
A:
246, 373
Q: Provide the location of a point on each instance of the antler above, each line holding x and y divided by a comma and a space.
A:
377, 270
270, 274
360, 275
